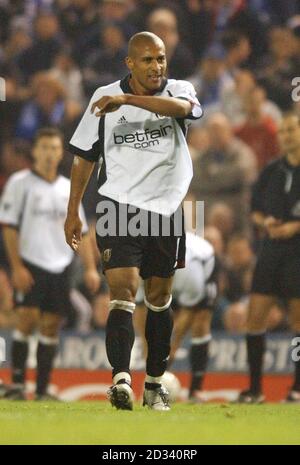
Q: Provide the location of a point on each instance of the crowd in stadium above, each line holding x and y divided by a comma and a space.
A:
241, 57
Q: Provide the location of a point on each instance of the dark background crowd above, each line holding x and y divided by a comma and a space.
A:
241, 57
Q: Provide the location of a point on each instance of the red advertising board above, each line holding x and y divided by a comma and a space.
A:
73, 385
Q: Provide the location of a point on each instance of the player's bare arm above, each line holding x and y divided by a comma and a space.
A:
258, 218
21, 277
81, 173
166, 106
285, 230
270, 223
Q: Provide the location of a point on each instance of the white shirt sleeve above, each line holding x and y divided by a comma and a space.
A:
12, 202
85, 140
186, 91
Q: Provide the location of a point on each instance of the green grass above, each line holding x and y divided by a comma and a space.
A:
98, 423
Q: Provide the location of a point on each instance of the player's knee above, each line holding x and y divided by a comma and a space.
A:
256, 320
123, 293
50, 330
158, 302
255, 326
26, 325
50, 326
25, 328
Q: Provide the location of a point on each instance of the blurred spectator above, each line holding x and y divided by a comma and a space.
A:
13, 104
198, 141
33, 7
225, 171
163, 22
40, 55
107, 64
235, 15
211, 80
143, 8
19, 40
80, 22
221, 217
77, 18
279, 67
198, 26
69, 75
237, 274
239, 267
233, 96
259, 130
213, 235
294, 25
233, 99
83, 21
116, 11
276, 11
48, 107
237, 50
15, 156
5, 16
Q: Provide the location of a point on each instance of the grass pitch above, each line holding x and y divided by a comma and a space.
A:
98, 423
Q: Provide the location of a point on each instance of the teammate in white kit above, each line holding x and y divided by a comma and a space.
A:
195, 290
137, 135
32, 211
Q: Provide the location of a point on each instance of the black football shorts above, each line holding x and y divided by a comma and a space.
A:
277, 270
50, 292
155, 255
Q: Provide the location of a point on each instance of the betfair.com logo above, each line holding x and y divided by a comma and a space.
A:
143, 139
2, 90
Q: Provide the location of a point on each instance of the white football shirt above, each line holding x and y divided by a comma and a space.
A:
38, 209
143, 156
190, 283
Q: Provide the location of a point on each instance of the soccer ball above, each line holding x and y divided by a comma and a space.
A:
172, 383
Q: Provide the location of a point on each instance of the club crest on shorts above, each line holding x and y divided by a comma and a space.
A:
106, 255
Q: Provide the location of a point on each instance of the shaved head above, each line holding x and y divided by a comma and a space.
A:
146, 62
141, 40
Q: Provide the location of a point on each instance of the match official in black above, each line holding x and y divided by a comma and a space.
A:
276, 210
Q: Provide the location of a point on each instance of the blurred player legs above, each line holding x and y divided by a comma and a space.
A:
195, 291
